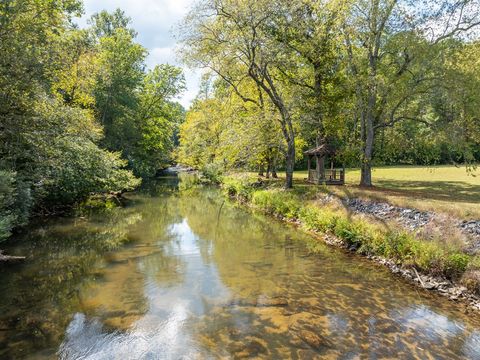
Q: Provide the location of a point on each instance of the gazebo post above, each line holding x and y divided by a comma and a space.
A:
309, 165
320, 169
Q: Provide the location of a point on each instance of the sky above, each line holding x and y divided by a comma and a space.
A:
154, 20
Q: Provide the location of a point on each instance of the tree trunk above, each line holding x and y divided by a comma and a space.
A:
260, 171
318, 91
366, 173
369, 131
290, 164
274, 172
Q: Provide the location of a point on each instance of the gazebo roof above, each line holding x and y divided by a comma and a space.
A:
323, 149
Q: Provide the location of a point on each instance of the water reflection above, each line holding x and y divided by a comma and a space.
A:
179, 274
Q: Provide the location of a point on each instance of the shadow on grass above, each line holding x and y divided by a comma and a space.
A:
457, 191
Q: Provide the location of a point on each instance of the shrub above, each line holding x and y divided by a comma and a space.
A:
456, 264
80, 168
213, 173
15, 202
240, 188
277, 202
317, 219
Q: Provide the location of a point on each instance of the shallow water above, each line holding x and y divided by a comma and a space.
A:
181, 274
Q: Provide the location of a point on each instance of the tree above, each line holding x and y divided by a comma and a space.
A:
104, 24
387, 42
157, 118
200, 134
232, 39
312, 62
121, 63
136, 107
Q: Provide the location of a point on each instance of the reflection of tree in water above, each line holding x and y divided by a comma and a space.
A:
243, 247
62, 259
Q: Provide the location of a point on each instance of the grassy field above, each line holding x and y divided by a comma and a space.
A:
446, 189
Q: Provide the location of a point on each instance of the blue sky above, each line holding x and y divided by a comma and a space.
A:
154, 21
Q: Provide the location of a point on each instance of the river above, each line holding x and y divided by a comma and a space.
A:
178, 273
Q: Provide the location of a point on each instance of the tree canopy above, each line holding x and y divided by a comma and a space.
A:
79, 111
382, 81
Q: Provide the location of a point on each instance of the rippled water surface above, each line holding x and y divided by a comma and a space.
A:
179, 274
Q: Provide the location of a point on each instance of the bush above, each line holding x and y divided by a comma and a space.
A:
316, 219
239, 188
276, 202
15, 203
213, 173
80, 169
456, 264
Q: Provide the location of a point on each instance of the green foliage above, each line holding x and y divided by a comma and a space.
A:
77, 108
226, 131
276, 202
105, 24
7, 200
157, 120
456, 264
239, 188
212, 173
15, 202
135, 107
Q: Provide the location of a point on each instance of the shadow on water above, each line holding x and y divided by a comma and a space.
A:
176, 274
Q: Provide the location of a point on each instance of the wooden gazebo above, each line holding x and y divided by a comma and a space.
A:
320, 175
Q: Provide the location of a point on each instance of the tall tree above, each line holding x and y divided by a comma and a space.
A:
157, 118
232, 38
308, 31
387, 41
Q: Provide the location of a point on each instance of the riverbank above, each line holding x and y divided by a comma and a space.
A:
438, 262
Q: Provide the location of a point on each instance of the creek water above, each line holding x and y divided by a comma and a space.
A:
178, 273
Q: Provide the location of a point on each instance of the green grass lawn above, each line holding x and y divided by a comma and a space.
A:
447, 189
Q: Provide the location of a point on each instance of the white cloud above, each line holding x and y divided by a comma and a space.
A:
161, 55
154, 20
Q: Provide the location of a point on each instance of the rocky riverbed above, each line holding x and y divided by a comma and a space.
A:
449, 289
442, 286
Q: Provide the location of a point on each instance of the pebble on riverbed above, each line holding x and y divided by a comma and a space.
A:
438, 284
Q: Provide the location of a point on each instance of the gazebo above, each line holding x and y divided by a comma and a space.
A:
320, 175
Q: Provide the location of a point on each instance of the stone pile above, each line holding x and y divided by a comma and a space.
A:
413, 219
